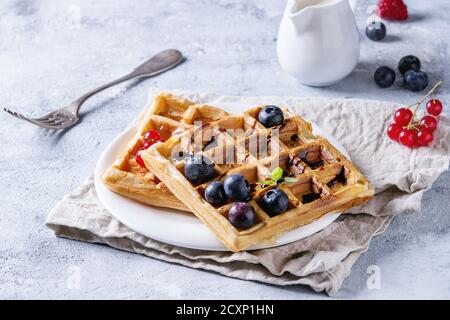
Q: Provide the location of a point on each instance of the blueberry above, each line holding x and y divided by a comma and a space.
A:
271, 116
198, 169
215, 194
384, 77
241, 215
415, 80
408, 63
376, 31
236, 187
274, 202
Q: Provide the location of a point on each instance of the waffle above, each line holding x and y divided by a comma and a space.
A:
170, 115
325, 180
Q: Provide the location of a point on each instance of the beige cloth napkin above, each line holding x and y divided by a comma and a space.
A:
321, 261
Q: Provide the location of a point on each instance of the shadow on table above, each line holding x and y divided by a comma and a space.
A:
432, 219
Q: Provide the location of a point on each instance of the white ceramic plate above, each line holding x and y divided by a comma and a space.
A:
178, 228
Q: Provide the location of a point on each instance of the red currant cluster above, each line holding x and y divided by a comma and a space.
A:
412, 132
150, 138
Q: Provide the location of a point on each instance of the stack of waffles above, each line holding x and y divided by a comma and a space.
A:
321, 179
169, 115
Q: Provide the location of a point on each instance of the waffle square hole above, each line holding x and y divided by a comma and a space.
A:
228, 156
290, 134
261, 194
206, 114
315, 156
217, 172
201, 191
238, 127
165, 127
254, 113
206, 137
177, 149
306, 190
171, 107
292, 165
262, 145
256, 222
130, 163
252, 173
338, 179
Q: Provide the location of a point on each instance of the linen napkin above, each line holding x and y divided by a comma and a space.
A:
321, 261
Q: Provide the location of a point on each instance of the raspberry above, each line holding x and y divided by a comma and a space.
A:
392, 9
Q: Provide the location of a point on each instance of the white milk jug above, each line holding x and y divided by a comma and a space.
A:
318, 41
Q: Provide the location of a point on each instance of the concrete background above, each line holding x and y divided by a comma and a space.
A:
53, 51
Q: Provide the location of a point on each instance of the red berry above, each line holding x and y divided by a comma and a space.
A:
152, 135
394, 130
139, 159
408, 138
424, 137
148, 144
429, 122
403, 116
434, 107
392, 9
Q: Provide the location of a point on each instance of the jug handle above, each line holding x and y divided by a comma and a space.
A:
353, 4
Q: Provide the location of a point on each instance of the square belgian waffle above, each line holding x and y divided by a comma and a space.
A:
170, 115
324, 179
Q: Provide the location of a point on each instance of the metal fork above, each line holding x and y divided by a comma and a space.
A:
68, 116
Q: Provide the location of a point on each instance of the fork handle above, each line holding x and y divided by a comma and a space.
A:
159, 63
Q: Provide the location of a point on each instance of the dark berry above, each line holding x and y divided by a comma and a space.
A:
274, 202
241, 215
198, 169
384, 77
271, 116
415, 80
215, 194
376, 31
237, 187
408, 63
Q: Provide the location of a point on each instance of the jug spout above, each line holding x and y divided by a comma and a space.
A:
302, 12
299, 5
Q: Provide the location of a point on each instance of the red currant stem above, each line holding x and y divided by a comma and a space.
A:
417, 105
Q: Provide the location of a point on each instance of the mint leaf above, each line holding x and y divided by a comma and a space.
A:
266, 183
277, 174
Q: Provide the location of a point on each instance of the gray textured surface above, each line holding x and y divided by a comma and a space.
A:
52, 51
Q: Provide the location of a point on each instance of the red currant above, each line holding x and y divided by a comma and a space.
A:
434, 107
429, 122
394, 130
148, 144
408, 138
424, 137
403, 116
152, 135
139, 159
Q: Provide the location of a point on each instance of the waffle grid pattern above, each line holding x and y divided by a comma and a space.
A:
326, 180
